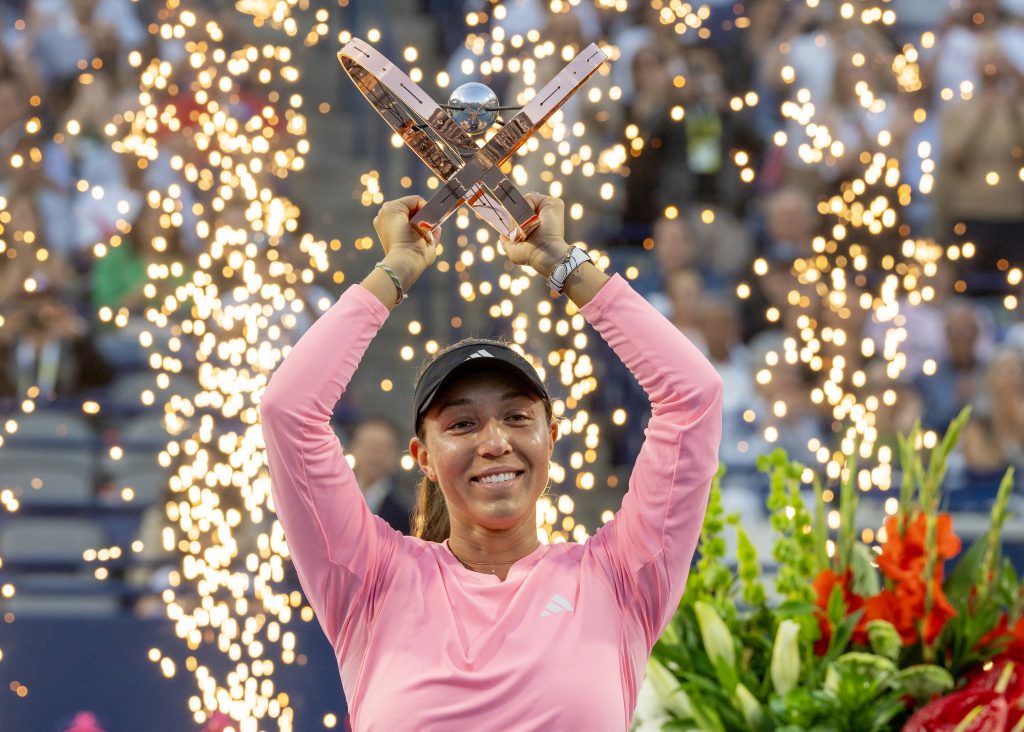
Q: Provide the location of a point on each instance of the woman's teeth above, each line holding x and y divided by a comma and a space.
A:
499, 478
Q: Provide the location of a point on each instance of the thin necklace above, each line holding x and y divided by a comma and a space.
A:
466, 563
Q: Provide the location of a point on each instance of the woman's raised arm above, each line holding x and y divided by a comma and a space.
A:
337, 546
646, 551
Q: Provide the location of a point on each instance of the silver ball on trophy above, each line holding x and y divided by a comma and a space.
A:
474, 107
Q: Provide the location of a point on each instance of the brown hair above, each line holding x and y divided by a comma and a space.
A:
430, 520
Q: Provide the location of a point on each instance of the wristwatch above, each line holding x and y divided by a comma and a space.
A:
572, 259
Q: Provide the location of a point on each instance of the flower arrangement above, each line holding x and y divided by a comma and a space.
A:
859, 638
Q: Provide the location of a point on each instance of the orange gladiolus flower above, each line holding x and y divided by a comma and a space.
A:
903, 557
903, 561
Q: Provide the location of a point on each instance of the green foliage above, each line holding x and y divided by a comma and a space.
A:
741, 667
795, 547
749, 570
711, 578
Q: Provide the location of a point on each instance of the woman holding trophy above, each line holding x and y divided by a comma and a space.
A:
473, 623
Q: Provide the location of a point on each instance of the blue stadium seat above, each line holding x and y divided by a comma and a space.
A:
46, 486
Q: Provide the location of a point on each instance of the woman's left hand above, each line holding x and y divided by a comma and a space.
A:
545, 247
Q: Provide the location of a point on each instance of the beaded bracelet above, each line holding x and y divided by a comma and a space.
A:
394, 280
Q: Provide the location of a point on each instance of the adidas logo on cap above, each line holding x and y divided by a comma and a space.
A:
480, 354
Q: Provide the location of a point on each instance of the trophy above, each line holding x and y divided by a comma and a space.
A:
444, 137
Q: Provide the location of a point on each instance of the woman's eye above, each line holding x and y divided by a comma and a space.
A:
460, 424
521, 417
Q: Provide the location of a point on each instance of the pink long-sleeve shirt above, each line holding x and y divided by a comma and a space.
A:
425, 644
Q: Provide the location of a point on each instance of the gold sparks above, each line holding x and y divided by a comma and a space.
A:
230, 123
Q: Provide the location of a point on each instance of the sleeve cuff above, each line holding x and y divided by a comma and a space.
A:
369, 301
605, 298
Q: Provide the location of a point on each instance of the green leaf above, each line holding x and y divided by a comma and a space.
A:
865, 664
865, 577
910, 468
836, 610
793, 608
841, 635
820, 530
965, 574
922, 681
884, 639
848, 500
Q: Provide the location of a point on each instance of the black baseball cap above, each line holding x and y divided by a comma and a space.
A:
473, 353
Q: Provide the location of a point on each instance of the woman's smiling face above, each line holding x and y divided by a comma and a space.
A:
487, 443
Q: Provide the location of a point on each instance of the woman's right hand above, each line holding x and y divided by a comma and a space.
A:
400, 239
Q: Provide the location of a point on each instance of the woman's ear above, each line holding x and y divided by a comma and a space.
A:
418, 450
554, 437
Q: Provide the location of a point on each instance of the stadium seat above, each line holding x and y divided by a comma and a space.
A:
146, 430
147, 487
46, 486
27, 603
45, 539
72, 460
125, 394
52, 426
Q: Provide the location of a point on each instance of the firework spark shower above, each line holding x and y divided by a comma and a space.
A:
824, 198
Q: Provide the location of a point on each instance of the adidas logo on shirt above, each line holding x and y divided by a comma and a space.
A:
480, 354
556, 604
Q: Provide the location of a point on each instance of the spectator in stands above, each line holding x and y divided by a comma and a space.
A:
993, 437
685, 291
978, 189
959, 373
43, 176
118, 277
12, 111
790, 224
376, 452
806, 54
852, 127
768, 310
714, 132
720, 329
954, 57
786, 417
658, 172
674, 247
641, 27
898, 416
47, 345
724, 245
44, 343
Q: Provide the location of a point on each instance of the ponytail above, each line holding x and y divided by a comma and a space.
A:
430, 516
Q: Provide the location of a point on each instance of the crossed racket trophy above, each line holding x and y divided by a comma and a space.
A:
443, 136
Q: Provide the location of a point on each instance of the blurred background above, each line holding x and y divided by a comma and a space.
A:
826, 197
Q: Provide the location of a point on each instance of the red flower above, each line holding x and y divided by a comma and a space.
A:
902, 560
947, 712
903, 557
1013, 637
940, 613
823, 585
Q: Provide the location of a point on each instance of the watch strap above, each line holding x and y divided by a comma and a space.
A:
572, 259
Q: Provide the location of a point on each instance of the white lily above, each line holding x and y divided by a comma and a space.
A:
718, 641
750, 707
667, 690
785, 666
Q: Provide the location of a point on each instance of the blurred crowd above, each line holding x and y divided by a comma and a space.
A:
87, 245
741, 151
741, 141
